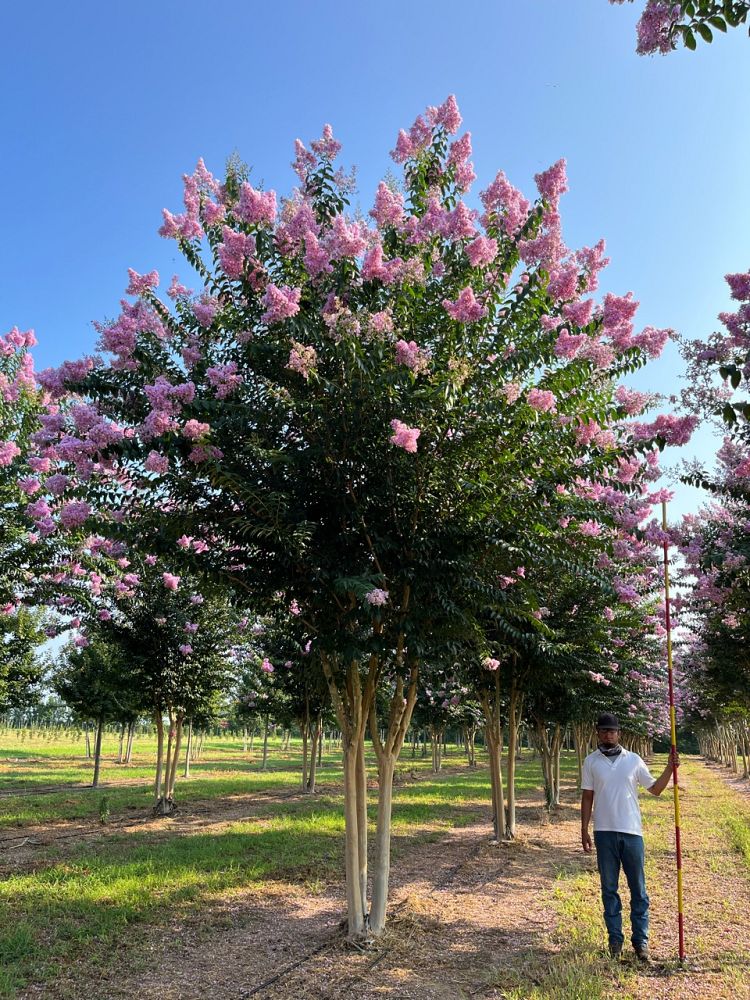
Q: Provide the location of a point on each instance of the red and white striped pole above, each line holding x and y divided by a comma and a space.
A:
673, 729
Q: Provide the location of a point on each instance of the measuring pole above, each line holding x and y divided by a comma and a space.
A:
673, 728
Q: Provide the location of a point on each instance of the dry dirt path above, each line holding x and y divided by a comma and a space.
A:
468, 919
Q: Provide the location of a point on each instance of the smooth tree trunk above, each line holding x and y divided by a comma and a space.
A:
97, 752
129, 748
387, 751
188, 749
351, 702
493, 738
315, 744
265, 743
159, 759
121, 743
88, 740
514, 718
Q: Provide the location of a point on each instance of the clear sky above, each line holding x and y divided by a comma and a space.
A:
104, 106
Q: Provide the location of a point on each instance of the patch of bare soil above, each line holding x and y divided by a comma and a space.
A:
466, 914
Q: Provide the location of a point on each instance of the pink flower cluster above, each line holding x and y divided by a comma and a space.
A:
171, 582
234, 252
8, 451
675, 430
256, 207
489, 663
466, 308
409, 353
281, 303
141, 283
542, 400
377, 597
302, 359
403, 436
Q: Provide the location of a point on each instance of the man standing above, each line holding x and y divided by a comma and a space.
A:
609, 783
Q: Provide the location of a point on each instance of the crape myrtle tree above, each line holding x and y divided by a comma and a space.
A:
20, 626
22, 632
664, 24
89, 679
356, 416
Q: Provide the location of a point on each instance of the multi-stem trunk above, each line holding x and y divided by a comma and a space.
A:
188, 749
158, 719
265, 742
493, 738
351, 701
315, 744
514, 719
97, 751
387, 751
175, 757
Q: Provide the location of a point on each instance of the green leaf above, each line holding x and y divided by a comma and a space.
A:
718, 22
704, 31
690, 42
736, 378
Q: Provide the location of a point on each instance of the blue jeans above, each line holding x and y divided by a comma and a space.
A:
615, 850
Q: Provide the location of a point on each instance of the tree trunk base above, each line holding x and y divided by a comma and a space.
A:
165, 807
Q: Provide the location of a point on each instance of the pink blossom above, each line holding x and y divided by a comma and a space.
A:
29, 485
105, 616
294, 608
326, 147
568, 345
224, 379
542, 400
191, 628
655, 27
388, 209
141, 283
579, 313
74, 513
739, 285
8, 451
205, 310
235, 250
591, 529
409, 353
599, 678
302, 359
281, 303
481, 251
194, 429
81, 642
316, 256
674, 430
256, 207
609, 614
447, 115
743, 469
171, 582
553, 182
466, 308
489, 663
266, 666
377, 597
652, 341
403, 436
511, 391
177, 290
404, 147
156, 462
185, 541
345, 240
507, 203
186, 649
632, 401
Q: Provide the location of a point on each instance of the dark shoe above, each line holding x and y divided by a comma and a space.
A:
615, 949
641, 953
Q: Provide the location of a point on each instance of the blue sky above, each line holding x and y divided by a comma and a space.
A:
106, 105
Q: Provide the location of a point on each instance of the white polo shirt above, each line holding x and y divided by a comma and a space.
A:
614, 782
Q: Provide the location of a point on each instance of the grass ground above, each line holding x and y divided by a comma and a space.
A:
248, 860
